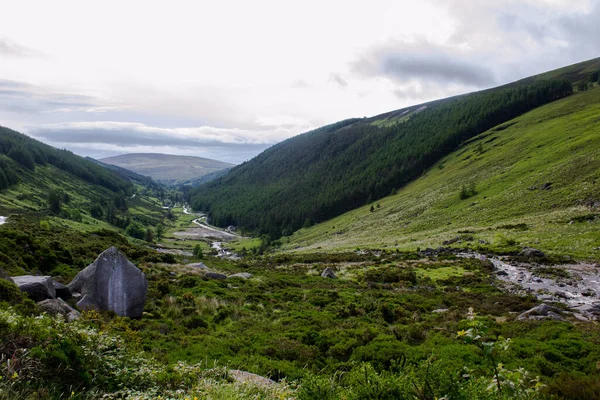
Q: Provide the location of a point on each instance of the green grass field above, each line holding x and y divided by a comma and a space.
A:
508, 166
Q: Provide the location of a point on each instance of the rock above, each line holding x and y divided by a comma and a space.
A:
450, 241
248, 377
328, 273
502, 273
112, 283
530, 252
564, 295
243, 275
87, 303
215, 275
198, 265
62, 291
59, 307
546, 186
440, 310
543, 311
4, 275
39, 288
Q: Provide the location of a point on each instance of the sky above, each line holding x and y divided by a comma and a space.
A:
228, 79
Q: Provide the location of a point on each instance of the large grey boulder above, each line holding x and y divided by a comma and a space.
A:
38, 288
243, 275
215, 275
531, 252
112, 283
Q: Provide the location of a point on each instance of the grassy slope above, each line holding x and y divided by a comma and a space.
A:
165, 167
557, 143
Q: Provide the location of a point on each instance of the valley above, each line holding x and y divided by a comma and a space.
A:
441, 251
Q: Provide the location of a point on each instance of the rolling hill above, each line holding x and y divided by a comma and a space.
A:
533, 181
166, 168
324, 173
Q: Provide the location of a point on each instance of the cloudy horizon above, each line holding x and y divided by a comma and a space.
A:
227, 80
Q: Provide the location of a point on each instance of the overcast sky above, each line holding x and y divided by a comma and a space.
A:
227, 79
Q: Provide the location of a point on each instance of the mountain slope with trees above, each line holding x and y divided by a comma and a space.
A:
324, 173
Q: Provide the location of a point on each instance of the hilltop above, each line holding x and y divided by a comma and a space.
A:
168, 169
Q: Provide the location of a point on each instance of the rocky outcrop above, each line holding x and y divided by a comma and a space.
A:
543, 311
38, 288
112, 283
62, 291
59, 307
328, 273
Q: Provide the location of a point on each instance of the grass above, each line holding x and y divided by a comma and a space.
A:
508, 167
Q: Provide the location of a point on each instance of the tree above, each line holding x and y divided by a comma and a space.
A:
159, 231
149, 237
134, 230
197, 252
594, 76
54, 199
96, 211
22, 156
3, 181
372, 208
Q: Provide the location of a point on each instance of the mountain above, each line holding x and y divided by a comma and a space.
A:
532, 181
166, 168
324, 173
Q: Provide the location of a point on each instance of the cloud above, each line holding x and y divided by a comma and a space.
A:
14, 50
403, 62
337, 79
111, 137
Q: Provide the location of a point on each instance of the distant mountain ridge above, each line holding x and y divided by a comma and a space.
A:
167, 168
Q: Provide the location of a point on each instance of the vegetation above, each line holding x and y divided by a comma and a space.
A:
337, 168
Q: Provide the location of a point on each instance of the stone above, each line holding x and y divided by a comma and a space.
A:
243, 275
59, 307
440, 310
543, 311
38, 288
530, 252
215, 275
4, 275
62, 291
546, 186
248, 377
328, 273
112, 283
198, 265
501, 273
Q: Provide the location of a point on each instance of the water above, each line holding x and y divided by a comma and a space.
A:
3, 220
579, 288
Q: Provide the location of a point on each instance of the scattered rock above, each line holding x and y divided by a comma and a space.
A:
112, 283
328, 273
543, 311
531, 252
440, 310
215, 275
59, 307
4, 275
243, 275
502, 273
39, 288
453, 240
62, 291
248, 377
546, 186
564, 295
198, 265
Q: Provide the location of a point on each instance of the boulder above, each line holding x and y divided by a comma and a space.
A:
243, 275
530, 252
59, 307
215, 275
328, 273
5, 276
198, 265
112, 283
62, 291
39, 288
543, 311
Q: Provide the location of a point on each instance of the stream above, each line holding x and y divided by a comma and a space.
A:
576, 285
204, 230
3, 220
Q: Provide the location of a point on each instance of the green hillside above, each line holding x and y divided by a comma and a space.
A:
337, 168
536, 182
166, 168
